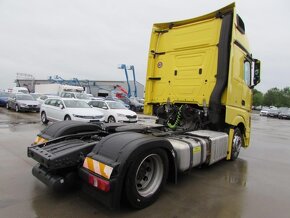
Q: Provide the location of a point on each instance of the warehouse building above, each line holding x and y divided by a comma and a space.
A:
97, 88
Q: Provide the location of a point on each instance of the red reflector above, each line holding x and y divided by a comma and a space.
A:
99, 183
103, 185
91, 179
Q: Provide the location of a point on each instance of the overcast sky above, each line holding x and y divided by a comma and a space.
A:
88, 39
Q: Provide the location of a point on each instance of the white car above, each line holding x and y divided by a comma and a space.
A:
264, 111
115, 111
41, 99
57, 109
76, 95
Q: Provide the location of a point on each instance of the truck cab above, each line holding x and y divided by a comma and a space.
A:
199, 84
206, 64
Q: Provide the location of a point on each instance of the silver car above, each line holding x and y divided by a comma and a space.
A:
22, 102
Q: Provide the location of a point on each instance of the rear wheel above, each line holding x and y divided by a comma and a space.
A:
237, 143
16, 108
111, 119
146, 177
67, 117
44, 119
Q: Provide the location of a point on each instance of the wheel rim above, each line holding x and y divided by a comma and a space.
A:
237, 144
67, 118
149, 175
111, 120
16, 108
7, 106
43, 118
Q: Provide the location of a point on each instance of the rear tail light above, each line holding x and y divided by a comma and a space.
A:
99, 183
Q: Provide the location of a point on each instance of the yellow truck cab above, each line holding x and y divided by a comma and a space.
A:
206, 63
199, 80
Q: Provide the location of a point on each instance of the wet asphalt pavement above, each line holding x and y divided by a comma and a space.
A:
256, 185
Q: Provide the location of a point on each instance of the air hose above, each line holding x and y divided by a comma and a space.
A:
178, 118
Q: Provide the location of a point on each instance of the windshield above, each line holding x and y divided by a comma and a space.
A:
24, 97
76, 104
82, 96
23, 91
4, 94
116, 105
35, 96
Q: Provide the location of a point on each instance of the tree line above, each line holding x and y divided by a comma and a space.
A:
273, 97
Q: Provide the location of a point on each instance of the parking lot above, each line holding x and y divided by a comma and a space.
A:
256, 185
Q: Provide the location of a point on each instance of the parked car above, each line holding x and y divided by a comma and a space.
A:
4, 96
57, 109
35, 96
116, 99
264, 111
42, 98
285, 114
94, 98
115, 111
21, 90
133, 103
76, 95
22, 102
282, 109
273, 112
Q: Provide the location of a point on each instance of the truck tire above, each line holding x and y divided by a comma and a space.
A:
237, 143
43, 117
146, 177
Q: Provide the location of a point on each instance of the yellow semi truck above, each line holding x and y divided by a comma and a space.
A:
199, 80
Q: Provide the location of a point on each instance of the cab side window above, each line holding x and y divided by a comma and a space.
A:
247, 73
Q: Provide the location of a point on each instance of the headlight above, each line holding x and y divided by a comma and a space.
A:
22, 105
121, 115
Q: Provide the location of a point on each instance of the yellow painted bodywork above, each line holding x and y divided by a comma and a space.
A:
182, 67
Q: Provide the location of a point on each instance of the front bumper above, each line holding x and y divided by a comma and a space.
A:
27, 108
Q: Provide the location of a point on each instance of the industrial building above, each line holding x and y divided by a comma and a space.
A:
97, 88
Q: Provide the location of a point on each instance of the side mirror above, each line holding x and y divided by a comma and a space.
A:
257, 71
106, 108
61, 106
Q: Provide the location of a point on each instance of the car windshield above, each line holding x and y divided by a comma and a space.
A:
24, 97
23, 91
265, 109
116, 105
76, 104
283, 109
35, 96
82, 96
4, 94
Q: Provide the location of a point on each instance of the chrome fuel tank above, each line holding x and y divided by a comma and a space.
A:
199, 147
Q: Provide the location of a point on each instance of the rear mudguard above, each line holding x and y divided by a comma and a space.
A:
68, 127
118, 151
